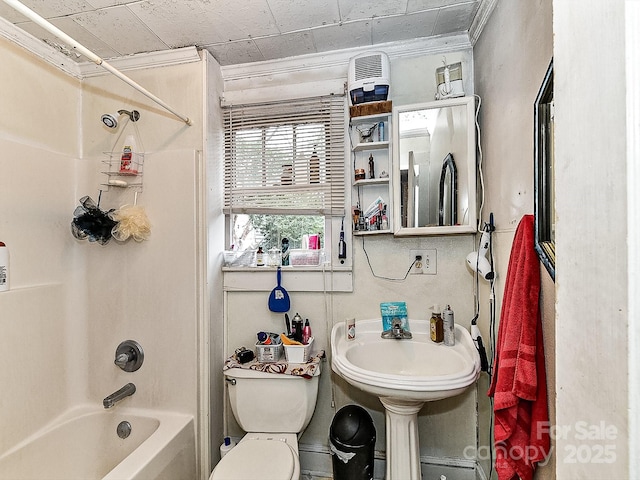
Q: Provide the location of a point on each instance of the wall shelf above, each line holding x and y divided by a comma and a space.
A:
370, 139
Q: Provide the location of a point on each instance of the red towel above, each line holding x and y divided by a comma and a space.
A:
519, 386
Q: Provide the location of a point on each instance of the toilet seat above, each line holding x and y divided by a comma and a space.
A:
257, 459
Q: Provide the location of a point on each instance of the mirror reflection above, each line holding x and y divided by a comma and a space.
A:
434, 166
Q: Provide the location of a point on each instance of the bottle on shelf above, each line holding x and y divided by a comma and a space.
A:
128, 164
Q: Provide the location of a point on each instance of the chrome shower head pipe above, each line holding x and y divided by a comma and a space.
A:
37, 19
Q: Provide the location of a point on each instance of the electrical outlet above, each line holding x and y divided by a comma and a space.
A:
427, 263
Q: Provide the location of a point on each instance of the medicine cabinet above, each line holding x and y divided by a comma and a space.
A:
434, 168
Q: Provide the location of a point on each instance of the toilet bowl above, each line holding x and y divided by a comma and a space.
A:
274, 409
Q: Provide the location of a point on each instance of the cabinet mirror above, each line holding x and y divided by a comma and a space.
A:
434, 167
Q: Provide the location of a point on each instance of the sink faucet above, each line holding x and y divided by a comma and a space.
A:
396, 331
115, 397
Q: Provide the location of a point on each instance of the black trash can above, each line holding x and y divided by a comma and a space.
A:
353, 438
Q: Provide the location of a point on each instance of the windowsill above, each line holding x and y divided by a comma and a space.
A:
294, 279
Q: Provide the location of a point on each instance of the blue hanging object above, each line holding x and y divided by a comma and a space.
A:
279, 298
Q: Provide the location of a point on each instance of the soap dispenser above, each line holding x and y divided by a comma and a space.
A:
437, 331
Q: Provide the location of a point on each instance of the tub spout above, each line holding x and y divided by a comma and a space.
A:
126, 391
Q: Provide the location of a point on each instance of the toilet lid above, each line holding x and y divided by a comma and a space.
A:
263, 459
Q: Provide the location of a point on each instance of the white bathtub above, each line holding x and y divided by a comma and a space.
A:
83, 444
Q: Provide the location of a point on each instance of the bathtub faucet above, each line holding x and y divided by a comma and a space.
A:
115, 397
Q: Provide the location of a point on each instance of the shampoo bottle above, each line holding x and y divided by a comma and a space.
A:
4, 267
449, 327
127, 162
436, 325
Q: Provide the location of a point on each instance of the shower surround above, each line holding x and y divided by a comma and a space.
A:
72, 302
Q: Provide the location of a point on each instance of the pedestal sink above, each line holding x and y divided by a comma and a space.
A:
404, 374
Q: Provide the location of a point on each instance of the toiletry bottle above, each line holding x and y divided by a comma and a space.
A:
4, 267
127, 162
260, 257
449, 327
437, 334
306, 332
285, 252
296, 328
350, 323
381, 132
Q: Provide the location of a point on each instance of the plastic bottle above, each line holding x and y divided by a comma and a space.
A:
437, 333
449, 327
285, 252
227, 445
296, 328
127, 162
306, 332
381, 132
4, 267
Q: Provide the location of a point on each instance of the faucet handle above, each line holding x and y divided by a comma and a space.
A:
129, 356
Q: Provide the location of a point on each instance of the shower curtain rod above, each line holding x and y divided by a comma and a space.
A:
90, 55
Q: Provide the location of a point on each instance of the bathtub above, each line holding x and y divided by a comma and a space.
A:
83, 444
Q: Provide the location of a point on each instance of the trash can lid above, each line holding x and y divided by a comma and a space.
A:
352, 426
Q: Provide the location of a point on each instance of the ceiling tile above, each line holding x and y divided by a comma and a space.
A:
346, 35
359, 10
405, 27
455, 19
121, 30
11, 14
75, 31
110, 3
420, 5
230, 53
291, 16
200, 23
288, 45
57, 8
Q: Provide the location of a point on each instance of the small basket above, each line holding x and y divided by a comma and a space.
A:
301, 257
233, 258
298, 353
268, 353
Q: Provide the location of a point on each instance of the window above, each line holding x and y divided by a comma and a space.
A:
284, 170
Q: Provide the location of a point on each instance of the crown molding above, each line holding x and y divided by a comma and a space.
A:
480, 20
340, 58
161, 58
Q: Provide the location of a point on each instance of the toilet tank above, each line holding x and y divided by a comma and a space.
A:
271, 402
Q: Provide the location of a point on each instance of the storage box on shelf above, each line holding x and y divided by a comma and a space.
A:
371, 182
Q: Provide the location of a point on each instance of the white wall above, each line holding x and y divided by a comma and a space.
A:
39, 124
446, 427
591, 206
155, 291
511, 58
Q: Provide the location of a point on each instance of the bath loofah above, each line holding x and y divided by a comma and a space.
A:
132, 222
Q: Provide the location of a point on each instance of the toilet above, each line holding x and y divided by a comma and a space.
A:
274, 409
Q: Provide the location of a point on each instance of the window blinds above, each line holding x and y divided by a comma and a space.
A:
286, 157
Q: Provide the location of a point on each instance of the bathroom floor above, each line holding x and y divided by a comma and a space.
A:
309, 476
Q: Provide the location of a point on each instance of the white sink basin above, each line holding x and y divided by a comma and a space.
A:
404, 374
416, 369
